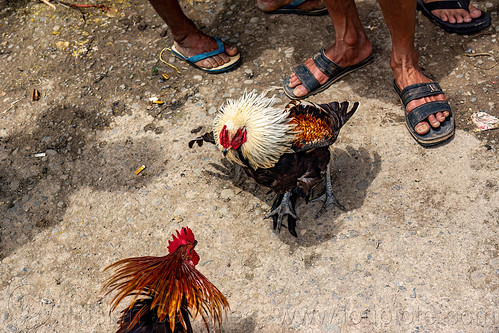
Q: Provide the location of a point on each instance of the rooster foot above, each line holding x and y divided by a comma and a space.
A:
282, 206
328, 197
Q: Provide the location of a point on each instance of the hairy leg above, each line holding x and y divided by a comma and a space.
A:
187, 38
400, 17
350, 47
456, 15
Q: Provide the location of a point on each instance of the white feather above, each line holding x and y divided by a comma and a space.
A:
269, 131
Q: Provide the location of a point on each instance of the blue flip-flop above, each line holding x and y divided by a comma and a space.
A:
233, 62
292, 8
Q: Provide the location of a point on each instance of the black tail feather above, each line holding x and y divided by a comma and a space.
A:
339, 111
149, 322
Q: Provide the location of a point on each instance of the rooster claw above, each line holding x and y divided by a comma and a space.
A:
328, 196
282, 206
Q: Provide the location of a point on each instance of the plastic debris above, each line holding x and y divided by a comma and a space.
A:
155, 100
140, 169
484, 121
40, 154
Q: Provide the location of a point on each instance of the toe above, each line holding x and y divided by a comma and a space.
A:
474, 12
300, 91
230, 50
207, 63
433, 121
440, 116
422, 128
293, 81
222, 58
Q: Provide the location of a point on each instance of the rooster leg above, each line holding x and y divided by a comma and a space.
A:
291, 219
328, 197
283, 205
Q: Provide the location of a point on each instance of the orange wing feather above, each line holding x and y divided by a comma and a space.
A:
310, 129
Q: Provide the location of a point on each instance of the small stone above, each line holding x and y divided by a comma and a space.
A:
227, 194
248, 81
253, 19
197, 77
362, 185
212, 110
11, 328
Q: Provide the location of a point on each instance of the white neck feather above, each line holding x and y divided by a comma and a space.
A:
269, 132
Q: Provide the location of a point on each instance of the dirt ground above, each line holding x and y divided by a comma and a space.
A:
416, 251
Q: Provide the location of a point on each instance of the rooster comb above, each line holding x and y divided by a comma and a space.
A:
184, 237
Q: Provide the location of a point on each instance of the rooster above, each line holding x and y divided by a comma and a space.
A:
286, 150
166, 290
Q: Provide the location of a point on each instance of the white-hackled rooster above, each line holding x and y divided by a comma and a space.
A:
286, 150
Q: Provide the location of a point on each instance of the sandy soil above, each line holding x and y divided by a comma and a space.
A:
416, 251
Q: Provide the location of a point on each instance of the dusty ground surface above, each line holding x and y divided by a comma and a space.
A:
417, 249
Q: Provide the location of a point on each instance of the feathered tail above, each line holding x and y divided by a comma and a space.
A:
338, 112
166, 291
149, 322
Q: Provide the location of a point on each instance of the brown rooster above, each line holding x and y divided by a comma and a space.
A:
167, 291
287, 151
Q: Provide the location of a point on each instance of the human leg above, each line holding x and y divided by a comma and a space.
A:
187, 38
350, 48
400, 19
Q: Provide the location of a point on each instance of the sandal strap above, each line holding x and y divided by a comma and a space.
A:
419, 90
420, 113
293, 4
325, 65
202, 56
455, 4
306, 77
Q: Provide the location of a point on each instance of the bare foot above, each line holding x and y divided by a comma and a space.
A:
456, 15
340, 53
412, 75
271, 5
197, 43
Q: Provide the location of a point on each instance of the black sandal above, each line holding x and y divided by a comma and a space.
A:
475, 25
437, 135
326, 66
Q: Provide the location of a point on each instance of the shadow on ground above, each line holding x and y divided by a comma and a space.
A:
35, 191
353, 170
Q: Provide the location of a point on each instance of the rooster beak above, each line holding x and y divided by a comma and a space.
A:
224, 152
